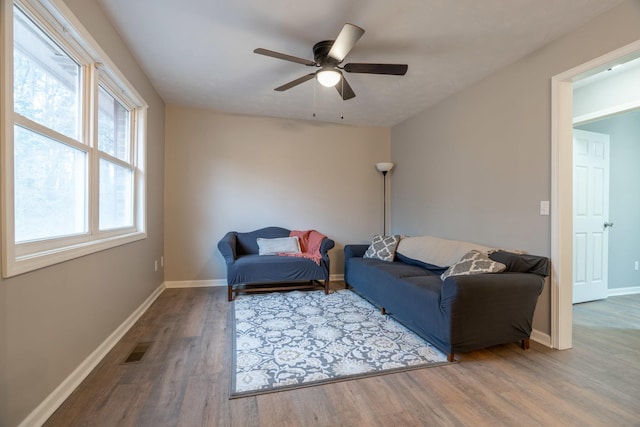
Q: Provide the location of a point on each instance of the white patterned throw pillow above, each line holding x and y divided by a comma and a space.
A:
474, 262
383, 247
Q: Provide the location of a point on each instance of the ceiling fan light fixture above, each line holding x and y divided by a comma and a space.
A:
328, 77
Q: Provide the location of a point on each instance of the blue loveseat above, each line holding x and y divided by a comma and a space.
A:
248, 271
460, 314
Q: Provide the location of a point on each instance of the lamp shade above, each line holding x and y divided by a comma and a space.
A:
384, 166
328, 77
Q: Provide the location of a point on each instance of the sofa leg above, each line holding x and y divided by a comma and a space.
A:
525, 344
326, 287
230, 292
383, 311
451, 358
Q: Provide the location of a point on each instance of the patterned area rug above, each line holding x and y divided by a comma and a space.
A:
286, 340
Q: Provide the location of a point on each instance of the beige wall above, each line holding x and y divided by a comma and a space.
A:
476, 166
53, 318
230, 172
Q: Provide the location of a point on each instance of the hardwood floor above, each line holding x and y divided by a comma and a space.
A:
183, 380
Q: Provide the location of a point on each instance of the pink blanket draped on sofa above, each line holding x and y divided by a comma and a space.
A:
310, 241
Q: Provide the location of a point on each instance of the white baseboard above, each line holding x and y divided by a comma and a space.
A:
42, 412
195, 283
614, 292
221, 282
541, 338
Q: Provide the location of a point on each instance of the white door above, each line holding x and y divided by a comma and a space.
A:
590, 215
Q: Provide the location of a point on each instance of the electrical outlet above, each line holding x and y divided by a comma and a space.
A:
155, 265
636, 266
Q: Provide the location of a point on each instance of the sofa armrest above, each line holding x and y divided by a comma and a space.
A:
353, 251
326, 245
500, 287
227, 247
489, 309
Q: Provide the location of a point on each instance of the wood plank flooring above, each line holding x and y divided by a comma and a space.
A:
183, 380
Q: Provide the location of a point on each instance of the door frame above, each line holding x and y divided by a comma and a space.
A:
561, 280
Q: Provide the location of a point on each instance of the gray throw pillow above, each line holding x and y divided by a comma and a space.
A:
474, 262
383, 248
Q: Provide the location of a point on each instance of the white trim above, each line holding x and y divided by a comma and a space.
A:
221, 282
580, 120
541, 338
6, 130
36, 261
562, 208
631, 290
195, 283
561, 188
49, 405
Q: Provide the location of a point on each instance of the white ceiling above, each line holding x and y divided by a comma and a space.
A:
199, 53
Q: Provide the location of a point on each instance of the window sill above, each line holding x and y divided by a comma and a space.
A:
14, 266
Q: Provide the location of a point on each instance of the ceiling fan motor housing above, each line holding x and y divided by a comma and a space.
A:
321, 54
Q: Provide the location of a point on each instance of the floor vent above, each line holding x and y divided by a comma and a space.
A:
138, 352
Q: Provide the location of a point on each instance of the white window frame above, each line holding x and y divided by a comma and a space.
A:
55, 19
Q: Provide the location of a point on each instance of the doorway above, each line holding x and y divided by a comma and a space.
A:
562, 191
623, 262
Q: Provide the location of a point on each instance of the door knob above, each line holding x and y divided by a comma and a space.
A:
608, 224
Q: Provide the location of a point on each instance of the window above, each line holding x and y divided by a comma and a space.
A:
116, 174
72, 142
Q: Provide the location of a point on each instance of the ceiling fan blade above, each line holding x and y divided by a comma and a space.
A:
348, 37
344, 89
295, 82
393, 69
284, 56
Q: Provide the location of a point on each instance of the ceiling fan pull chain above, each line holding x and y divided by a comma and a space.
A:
314, 97
342, 83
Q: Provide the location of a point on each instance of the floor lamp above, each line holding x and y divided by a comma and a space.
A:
384, 167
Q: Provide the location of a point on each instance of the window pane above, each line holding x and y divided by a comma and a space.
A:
50, 187
45, 79
113, 126
116, 196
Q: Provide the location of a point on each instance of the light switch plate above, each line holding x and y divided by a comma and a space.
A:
544, 207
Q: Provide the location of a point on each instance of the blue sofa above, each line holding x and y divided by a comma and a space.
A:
248, 271
459, 314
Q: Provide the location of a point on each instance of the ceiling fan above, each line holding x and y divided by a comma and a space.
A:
328, 56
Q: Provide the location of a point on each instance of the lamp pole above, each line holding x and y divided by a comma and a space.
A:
384, 167
384, 203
